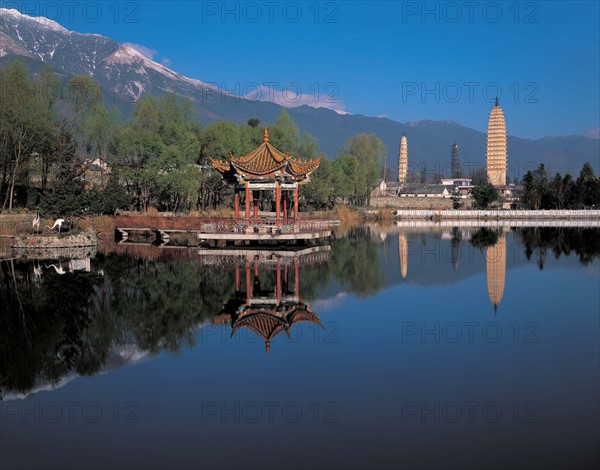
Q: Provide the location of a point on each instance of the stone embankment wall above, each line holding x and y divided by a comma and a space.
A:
501, 214
69, 241
5, 248
79, 246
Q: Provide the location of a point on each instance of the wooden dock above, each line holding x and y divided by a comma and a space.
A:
225, 230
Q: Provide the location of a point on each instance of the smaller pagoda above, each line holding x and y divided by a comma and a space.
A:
266, 169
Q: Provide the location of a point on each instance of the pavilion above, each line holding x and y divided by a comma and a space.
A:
266, 169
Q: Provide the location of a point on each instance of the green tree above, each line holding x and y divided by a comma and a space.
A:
588, 187
561, 189
66, 196
100, 128
537, 191
484, 195
284, 134
360, 161
250, 138
138, 152
455, 198
218, 140
110, 199
306, 147
323, 189
83, 94
158, 154
26, 127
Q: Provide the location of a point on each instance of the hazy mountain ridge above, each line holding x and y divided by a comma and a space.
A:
125, 75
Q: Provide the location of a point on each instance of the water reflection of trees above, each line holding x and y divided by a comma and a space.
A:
584, 242
161, 303
484, 238
74, 324
71, 324
45, 327
354, 264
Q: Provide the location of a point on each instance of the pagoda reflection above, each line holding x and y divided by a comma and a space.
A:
267, 289
403, 254
495, 267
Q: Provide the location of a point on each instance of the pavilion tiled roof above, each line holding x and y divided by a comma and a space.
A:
266, 321
264, 324
303, 314
266, 160
268, 324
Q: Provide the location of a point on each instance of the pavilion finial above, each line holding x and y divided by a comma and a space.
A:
497, 105
266, 135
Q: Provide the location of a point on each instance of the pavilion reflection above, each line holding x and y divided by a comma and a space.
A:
267, 289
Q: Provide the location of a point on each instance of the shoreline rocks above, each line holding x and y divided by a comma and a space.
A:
80, 246
85, 239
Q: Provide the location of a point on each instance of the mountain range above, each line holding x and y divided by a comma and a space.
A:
124, 74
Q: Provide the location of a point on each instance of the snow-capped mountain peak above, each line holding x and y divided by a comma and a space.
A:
117, 67
41, 20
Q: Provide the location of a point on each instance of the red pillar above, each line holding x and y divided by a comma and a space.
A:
255, 203
236, 203
237, 277
278, 281
296, 204
285, 214
247, 204
248, 283
277, 203
296, 279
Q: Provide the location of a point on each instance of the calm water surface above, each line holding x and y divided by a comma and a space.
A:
386, 348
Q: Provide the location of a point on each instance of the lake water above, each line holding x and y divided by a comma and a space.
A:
385, 348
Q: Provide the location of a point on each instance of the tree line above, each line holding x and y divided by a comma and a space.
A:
156, 158
539, 191
561, 192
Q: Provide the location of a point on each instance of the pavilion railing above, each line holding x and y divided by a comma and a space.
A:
223, 225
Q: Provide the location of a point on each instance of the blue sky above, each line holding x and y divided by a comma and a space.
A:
403, 60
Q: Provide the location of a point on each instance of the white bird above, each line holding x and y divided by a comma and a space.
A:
58, 223
59, 269
36, 223
37, 272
